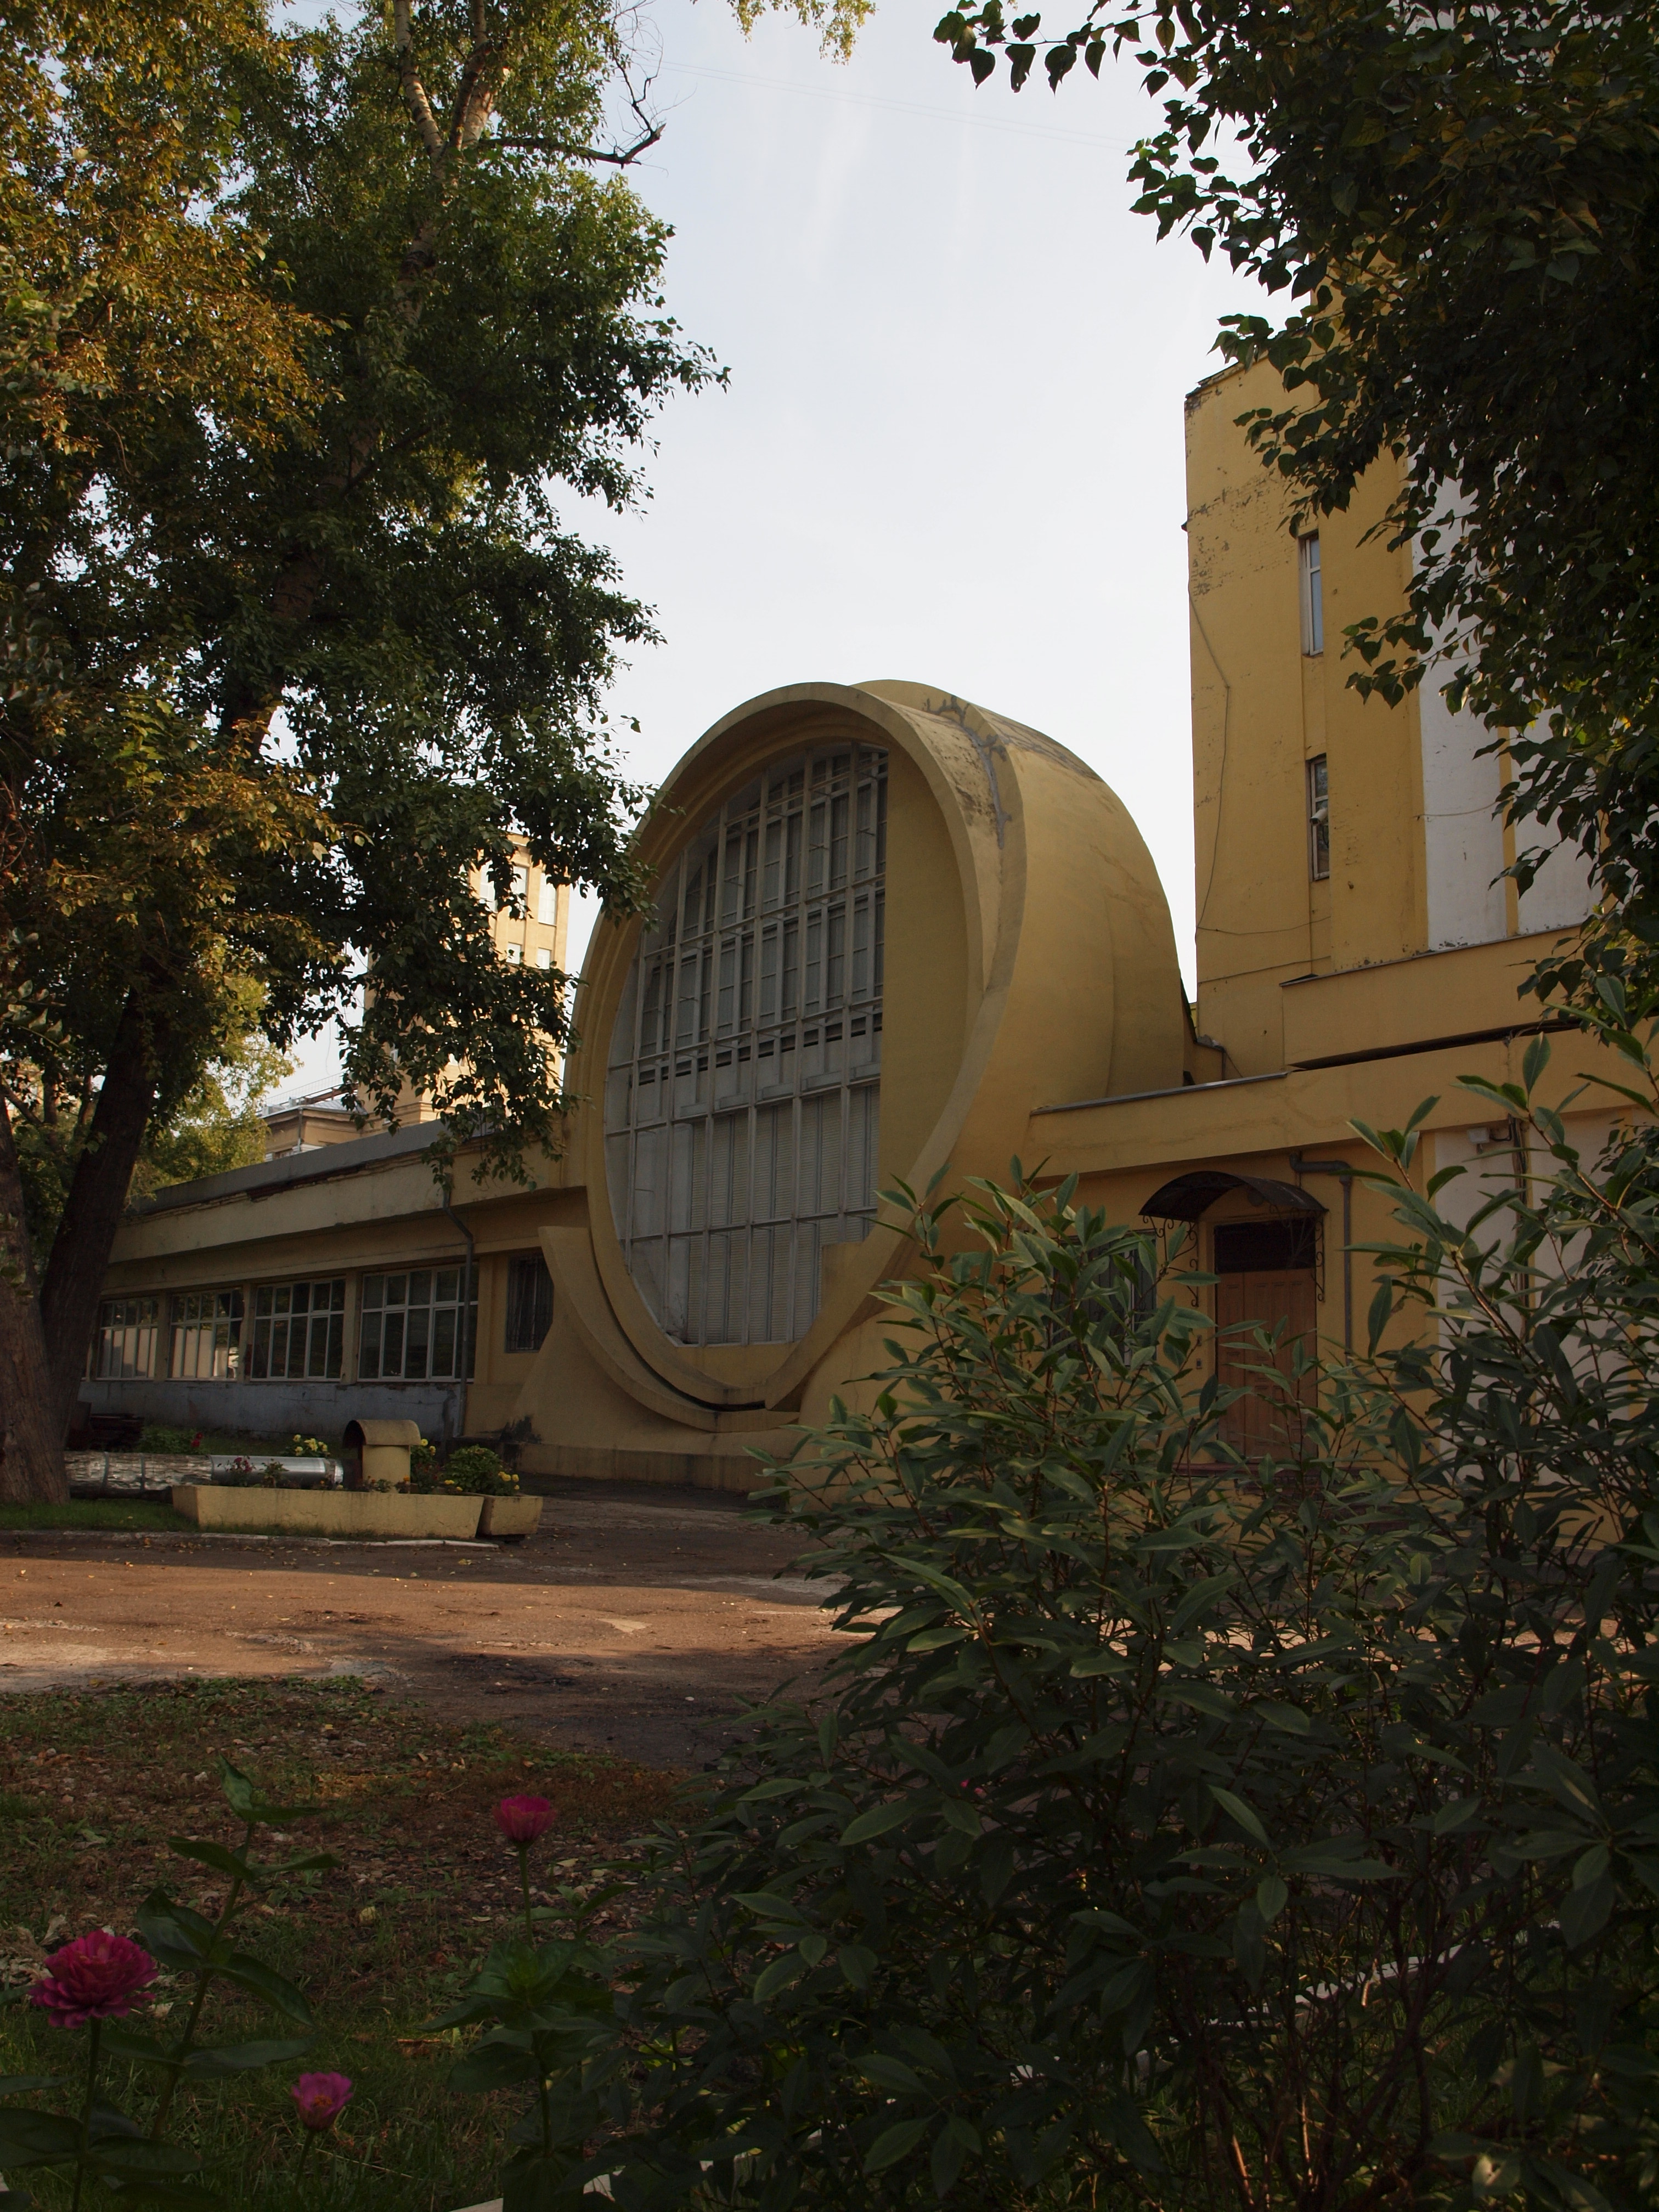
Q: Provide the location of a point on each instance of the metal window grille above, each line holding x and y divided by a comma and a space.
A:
206, 1335
418, 1327
125, 1345
529, 1302
743, 1096
1319, 819
299, 1329
1313, 599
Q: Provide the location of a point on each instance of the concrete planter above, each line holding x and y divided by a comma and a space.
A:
327, 1513
512, 1518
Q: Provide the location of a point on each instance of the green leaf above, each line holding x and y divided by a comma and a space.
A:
894, 2143
1376, 1320
1272, 1895
1584, 1911
242, 2057
175, 1934
1236, 1809
25, 2085
35, 2138
261, 1981
213, 1855
137, 2160
890, 2073
953, 2143
491, 2066
777, 1976
879, 1820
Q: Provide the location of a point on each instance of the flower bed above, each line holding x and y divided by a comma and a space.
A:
326, 1512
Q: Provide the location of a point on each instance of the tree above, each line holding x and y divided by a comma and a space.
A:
1463, 205
307, 328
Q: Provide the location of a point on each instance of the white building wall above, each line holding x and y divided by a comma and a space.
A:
1559, 896
1462, 837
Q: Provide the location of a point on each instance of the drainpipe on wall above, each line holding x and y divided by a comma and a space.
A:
1345, 1174
471, 1286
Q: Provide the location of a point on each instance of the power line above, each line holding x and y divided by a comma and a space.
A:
891, 106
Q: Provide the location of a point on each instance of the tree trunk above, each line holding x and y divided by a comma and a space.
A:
31, 1443
97, 1198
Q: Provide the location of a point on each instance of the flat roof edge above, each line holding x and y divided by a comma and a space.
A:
266, 1177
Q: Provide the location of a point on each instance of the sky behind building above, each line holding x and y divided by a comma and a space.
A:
951, 447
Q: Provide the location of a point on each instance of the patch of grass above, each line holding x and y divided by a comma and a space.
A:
102, 1778
119, 1513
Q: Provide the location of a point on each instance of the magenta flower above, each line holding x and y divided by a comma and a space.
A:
97, 1976
321, 2098
521, 1820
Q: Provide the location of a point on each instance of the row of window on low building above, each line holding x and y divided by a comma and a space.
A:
417, 1326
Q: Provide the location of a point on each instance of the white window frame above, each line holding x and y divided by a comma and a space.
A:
1318, 818
126, 1341
1311, 591
316, 1310
205, 1335
437, 1300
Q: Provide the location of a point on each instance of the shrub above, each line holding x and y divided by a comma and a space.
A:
155, 1437
1176, 1830
425, 1468
475, 1471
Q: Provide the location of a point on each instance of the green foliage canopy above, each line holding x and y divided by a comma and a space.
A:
1462, 203
306, 330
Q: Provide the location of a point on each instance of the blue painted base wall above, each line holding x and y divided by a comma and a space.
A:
282, 1409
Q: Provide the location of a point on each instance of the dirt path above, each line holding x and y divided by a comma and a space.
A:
636, 1620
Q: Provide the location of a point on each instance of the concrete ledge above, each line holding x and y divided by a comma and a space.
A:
326, 1512
512, 1517
690, 1470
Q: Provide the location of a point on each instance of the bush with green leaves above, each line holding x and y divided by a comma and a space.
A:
1176, 1831
156, 1436
477, 1471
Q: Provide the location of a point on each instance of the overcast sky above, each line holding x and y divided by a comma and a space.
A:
951, 451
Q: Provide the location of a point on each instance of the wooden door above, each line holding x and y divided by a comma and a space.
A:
1281, 1298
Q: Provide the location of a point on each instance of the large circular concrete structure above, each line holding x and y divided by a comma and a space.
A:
888, 926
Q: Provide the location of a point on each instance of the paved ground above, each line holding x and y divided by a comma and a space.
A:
636, 1618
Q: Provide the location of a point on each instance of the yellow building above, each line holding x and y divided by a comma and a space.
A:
896, 932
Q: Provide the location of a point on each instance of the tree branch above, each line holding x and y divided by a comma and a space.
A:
619, 157
419, 106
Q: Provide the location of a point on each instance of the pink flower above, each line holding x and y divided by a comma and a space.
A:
321, 2098
97, 1976
521, 1820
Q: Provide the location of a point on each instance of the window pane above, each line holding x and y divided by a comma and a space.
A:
443, 1340
416, 1343
529, 1302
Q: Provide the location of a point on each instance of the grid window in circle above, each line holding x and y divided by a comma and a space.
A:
743, 1090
